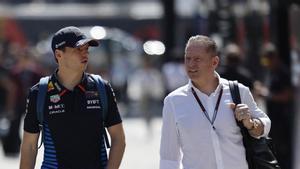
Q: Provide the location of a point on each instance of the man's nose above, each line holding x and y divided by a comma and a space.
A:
190, 63
84, 51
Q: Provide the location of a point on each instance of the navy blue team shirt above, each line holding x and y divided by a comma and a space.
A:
72, 124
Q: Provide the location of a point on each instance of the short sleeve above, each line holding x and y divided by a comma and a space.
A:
31, 123
113, 115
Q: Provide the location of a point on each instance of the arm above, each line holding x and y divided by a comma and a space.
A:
255, 120
170, 156
29, 150
116, 152
254, 125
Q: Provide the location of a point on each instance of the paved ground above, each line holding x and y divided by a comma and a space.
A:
142, 151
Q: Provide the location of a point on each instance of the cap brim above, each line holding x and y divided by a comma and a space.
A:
91, 42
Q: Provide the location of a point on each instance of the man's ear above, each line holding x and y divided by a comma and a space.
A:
216, 61
57, 54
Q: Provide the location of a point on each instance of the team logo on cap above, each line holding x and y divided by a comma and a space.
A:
60, 44
55, 98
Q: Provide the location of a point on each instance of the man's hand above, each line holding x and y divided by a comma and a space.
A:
242, 113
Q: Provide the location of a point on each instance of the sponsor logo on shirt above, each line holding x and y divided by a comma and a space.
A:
56, 109
93, 104
91, 94
55, 98
57, 86
27, 102
50, 86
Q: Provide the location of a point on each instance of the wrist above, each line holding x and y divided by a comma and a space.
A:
254, 123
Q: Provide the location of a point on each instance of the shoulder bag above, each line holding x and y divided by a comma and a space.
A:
259, 152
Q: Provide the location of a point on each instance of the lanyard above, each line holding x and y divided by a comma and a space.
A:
204, 110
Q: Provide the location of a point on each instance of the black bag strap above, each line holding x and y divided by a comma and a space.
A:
235, 92
236, 98
41, 96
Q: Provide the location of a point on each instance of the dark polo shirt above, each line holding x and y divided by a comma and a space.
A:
72, 124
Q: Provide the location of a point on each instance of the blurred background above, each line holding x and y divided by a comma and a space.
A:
141, 54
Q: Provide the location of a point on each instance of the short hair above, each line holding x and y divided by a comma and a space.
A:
203, 41
62, 49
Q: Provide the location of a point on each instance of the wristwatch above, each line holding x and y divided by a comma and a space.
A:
255, 124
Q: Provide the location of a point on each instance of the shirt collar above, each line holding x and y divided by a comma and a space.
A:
59, 87
220, 85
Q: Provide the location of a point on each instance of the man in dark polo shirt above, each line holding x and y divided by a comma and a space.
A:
73, 137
